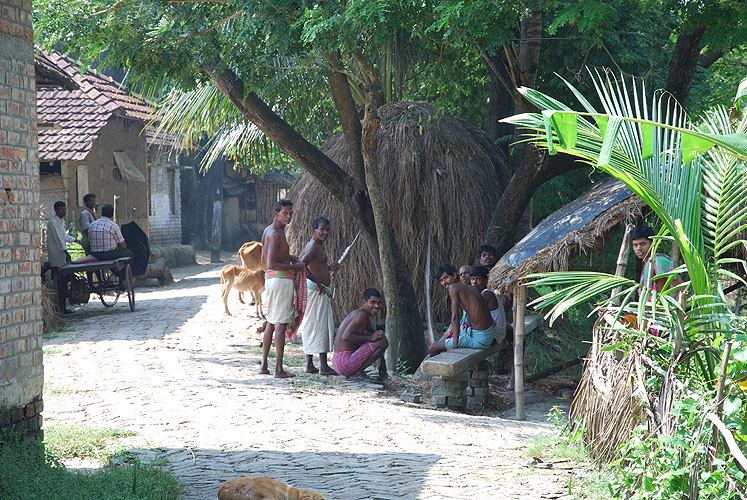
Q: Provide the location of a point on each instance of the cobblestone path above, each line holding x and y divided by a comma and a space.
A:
184, 376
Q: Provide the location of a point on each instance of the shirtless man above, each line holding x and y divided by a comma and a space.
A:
358, 345
464, 276
278, 285
479, 280
476, 329
318, 326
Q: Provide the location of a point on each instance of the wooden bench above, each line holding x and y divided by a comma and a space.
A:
461, 374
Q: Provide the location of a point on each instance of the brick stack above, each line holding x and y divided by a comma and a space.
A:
21, 370
469, 388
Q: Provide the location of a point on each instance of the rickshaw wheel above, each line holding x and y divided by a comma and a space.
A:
108, 294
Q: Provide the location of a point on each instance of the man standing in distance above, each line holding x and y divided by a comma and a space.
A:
87, 216
57, 240
318, 326
278, 285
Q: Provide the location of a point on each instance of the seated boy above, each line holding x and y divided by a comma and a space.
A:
475, 329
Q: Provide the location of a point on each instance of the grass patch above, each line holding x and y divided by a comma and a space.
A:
84, 442
587, 481
47, 351
27, 472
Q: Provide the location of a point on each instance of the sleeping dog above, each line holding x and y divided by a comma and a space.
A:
263, 488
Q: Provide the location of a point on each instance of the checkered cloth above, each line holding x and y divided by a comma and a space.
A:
300, 294
661, 264
104, 235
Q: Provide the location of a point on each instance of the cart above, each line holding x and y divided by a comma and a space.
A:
106, 278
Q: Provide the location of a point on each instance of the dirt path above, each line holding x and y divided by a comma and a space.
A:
184, 376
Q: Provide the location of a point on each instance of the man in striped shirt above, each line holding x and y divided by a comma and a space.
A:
107, 242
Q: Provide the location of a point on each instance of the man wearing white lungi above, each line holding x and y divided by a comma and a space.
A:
318, 325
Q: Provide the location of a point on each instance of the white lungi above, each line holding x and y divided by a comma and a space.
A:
279, 300
318, 326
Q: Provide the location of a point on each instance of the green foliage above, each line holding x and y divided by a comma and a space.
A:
699, 199
83, 442
669, 466
28, 473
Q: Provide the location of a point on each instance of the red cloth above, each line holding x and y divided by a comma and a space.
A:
300, 294
85, 260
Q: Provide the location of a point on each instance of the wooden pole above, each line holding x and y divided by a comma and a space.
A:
520, 300
428, 309
622, 260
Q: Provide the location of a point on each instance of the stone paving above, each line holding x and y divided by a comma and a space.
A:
184, 376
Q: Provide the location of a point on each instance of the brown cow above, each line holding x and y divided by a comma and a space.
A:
243, 280
250, 257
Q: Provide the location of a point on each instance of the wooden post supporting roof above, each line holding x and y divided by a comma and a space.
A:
520, 301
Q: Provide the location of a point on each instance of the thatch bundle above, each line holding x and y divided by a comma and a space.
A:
437, 172
605, 402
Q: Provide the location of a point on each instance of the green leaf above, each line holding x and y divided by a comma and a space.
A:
647, 141
692, 146
732, 406
610, 135
566, 126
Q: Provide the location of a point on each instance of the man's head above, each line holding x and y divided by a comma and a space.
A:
642, 241
89, 201
446, 274
283, 212
371, 301
107, 211
60, 209
486, 256
479, 277
320, 227
464, 274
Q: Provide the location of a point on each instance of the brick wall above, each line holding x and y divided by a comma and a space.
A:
21, 370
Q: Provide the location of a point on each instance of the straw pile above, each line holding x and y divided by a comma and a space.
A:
437, 172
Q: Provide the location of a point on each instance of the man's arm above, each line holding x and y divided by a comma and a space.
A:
455, 313
312, 249
352, 332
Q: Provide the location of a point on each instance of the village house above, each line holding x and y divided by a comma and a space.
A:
95, 137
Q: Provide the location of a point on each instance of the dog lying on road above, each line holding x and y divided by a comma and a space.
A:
263, 488
243, 280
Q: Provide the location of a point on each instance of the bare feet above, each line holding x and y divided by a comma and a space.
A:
328, 371
283, 374
264, 371
312, 369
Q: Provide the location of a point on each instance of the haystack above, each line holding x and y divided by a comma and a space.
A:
437, 172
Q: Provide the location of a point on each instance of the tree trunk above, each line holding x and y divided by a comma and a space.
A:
684, 63
505, 225
400, 319
501, 103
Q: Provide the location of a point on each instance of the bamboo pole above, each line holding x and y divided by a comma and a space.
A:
520, 300
622, 260
428, 307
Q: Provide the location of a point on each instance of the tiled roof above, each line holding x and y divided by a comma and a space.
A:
81, 113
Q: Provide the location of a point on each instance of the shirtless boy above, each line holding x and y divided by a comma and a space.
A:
318, 326
479, 279
278, 285
358, 345
475, 329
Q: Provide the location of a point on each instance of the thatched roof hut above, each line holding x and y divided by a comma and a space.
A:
437, 172
577, 227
